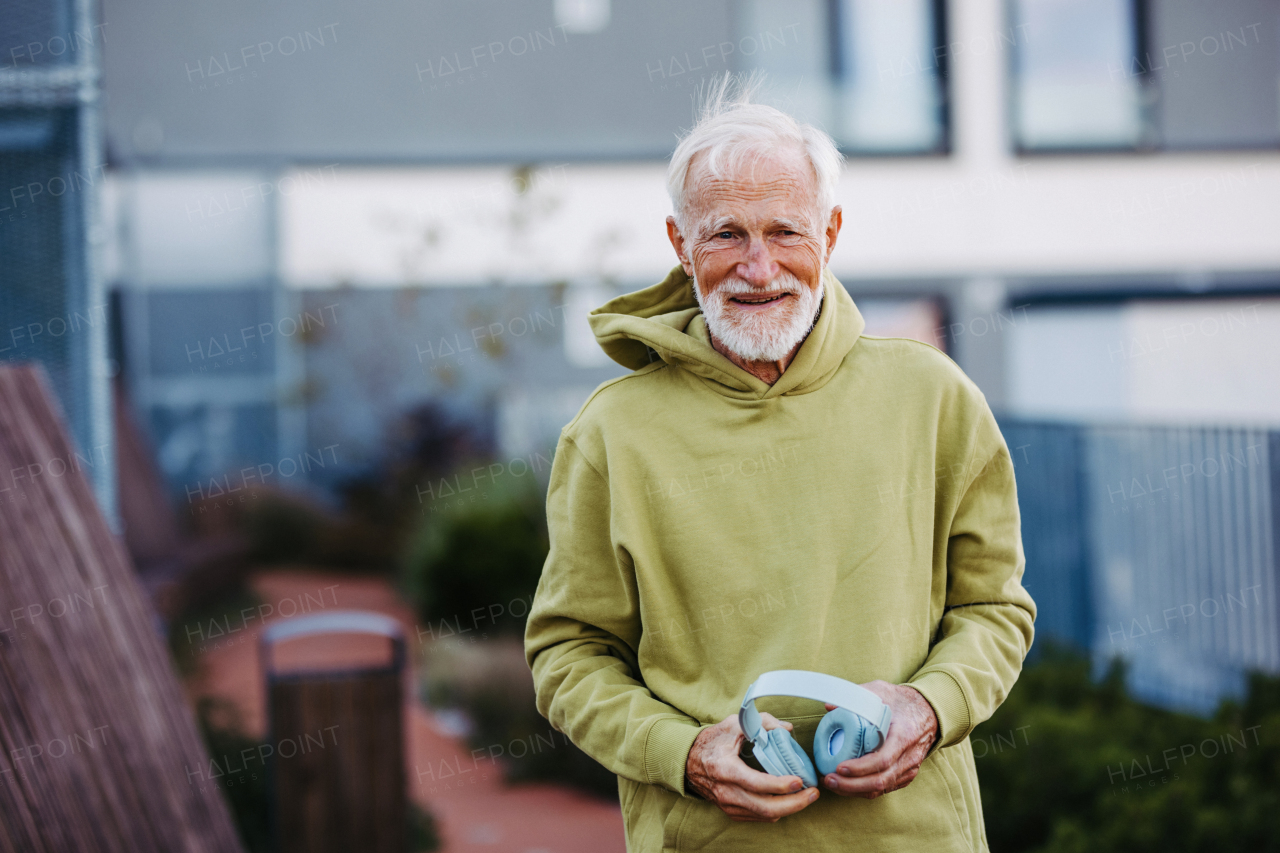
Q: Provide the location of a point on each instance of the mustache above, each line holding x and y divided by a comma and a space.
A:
736, 286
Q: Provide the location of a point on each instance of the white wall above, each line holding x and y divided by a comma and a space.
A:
903, 219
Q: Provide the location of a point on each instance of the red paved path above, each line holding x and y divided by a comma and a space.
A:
476, 812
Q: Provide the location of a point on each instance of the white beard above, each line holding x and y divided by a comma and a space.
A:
764, 336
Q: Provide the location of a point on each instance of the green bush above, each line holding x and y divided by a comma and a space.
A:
490, 682
1069, 765
282, 528
475, 561
208, 623
424, 835
382, 505
471, 571
246, 793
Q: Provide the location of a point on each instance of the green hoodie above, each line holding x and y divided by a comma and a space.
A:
857, 518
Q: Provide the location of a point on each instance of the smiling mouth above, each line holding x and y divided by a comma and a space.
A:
765, 299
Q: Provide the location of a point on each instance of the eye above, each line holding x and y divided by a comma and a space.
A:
724, 235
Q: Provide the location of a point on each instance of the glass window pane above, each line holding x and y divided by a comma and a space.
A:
38, 32
863, 70
889, 86
202, 441
211, 333
916, 319
1073, 85
201, 228
797, 70
1218, 70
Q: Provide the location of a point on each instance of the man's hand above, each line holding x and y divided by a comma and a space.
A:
912, 731
717, 772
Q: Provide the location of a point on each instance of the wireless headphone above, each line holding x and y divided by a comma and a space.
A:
858, 726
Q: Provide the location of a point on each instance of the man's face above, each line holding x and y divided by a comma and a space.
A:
756, 247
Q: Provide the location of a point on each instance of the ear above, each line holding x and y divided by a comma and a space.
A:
833, 231
677, 243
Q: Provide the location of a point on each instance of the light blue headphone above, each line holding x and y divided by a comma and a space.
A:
858, 726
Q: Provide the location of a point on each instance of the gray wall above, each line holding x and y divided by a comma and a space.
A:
374, 81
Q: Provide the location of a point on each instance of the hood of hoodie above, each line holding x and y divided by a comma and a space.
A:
665, 320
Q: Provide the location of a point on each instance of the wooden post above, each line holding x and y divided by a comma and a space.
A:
98, 749
337, 769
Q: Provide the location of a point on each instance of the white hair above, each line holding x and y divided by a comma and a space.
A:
730, 129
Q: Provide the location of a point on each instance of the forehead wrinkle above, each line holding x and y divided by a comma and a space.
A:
751, 177
714, 194
717, 201
739, 186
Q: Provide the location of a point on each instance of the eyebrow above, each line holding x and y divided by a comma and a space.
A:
720, 223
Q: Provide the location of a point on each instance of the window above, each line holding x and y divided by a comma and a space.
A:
39, 34
870, 72
1145, 74
1069, 87
1216, 70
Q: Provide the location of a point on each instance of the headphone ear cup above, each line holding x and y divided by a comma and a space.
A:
780, 755
842, 735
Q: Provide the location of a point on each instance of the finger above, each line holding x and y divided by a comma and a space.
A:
870, 764
891, 752
769, 721
770, 808
738, 773
867, 786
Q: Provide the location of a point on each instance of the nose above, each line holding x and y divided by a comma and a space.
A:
757, 267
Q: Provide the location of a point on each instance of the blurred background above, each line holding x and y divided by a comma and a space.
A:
310, 280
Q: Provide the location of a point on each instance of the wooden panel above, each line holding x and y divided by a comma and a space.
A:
150, 524
96, 742
339, 763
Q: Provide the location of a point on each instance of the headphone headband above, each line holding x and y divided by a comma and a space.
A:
819, 687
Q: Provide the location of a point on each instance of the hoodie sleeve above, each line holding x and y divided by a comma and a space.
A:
987, 622
583, 630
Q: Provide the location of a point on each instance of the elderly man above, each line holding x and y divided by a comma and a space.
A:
772, 489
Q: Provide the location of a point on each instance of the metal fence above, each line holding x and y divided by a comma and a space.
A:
52, 303
1156, 545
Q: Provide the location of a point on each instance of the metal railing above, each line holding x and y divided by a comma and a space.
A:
1157, 545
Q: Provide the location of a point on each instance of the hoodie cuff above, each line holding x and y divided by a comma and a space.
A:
951, 708
666, 752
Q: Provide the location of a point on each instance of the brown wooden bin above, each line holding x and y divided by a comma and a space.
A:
337, 766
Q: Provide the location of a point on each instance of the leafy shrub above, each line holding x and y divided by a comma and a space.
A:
247, 794
424, 835
288, 527
471, 572
282, 528
204, 624
490, 682
382, 504
1069, 765
475, 562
